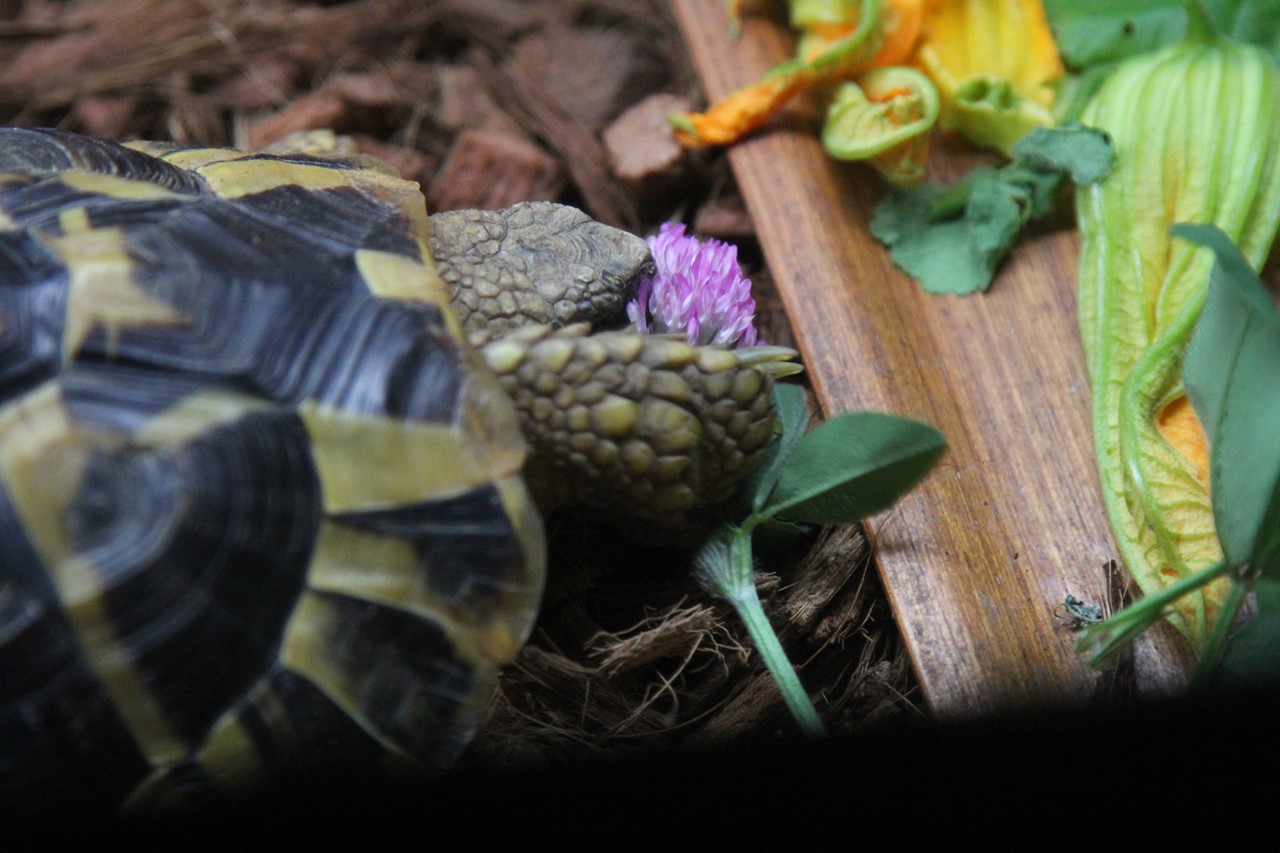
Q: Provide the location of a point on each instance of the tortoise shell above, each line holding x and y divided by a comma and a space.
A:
261, 505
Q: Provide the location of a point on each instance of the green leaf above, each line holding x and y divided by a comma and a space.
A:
723, 566
1251, 660
1093, 36
952, 239
852, 466
1094, 32
1084, 153
1104, 640
906, 211
946, 258
774, 536
1230, 373
996, 212
1253, 21
793, 418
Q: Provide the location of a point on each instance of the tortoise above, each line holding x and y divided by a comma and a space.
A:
275, 454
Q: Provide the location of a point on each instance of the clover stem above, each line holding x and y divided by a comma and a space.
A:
724, 568
1216, 644
1200, 27
1106, 638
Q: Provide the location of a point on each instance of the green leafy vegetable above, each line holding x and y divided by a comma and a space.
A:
1090, 32
1252, 21
1230, 369
953, 239
1232, 366
1196, 128
1094, 35
1084, 154
851, 466
1250, 660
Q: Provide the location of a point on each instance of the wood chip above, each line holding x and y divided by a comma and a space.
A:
364, 88
310, 112
591, 73
108, 116
822, 576
195, 120
644, 155
489, 169
196, 37
464, 102
493, 23
520, 90
412, 165
265, 84
675, 633
725, 217
755, 708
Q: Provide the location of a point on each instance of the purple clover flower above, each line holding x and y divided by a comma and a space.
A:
699, 290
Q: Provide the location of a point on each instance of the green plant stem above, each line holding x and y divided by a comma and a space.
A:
1216, 644
1106, 638
725, 569
747, 603
1200, 26
866, 33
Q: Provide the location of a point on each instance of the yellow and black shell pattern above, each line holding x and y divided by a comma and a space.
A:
261, 511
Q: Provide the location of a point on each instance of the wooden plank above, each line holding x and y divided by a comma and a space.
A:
977, 558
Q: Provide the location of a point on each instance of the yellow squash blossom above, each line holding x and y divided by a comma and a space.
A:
883, 117
1196, 129
824, 25
995, 64
841, 38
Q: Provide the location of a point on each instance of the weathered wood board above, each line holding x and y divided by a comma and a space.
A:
977, 558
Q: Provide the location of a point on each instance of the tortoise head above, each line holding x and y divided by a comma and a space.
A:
643, 426
536, 263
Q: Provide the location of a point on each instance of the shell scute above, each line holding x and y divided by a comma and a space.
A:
257, 494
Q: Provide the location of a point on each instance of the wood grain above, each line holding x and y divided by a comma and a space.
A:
976, 559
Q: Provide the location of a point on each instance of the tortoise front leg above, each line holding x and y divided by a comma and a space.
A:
634, 425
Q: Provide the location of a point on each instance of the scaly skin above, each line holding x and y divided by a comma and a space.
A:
536, 262
643, 426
